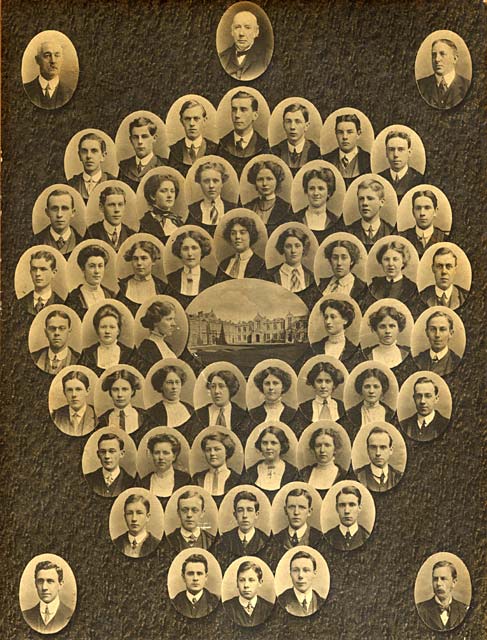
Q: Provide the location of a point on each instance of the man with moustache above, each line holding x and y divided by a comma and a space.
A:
439, 358
427, 423
185, 152
400, 174
349, 534
296, 150
191, 508
443, 611
42, 272
195, 601
245, 539
59, 234
349, 158
424, 233
298, 508
46, 90
301, 599
444, 292
137, 541
379, 475
248, 57
92, 151
370, 227
445, 88
110, 479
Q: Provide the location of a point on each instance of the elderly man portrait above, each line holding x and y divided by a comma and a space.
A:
443, 611
444, 88
47, 90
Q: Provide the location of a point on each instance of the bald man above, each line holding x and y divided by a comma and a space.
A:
248, 57
46, 90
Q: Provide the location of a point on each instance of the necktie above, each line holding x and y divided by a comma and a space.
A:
194, 601
443, 87
325, 411
213, 213
335, 286
348, 536
443, 300
47, 91
244, 542
55, 363
114, 238
214, 484
220, 421
249, 608
192, 153
294, 539
239, 146
304, 604
370, 233
39, 305
89, 185
294, 156
442, 608
121, 420
139, 168
109, 480
192, 540
345, 161
435, 359
295, 284
60, 243
234, 271
47, 615
76, 420
382, 478
134, 544
396, 178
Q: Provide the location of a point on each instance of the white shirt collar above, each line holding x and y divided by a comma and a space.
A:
144, 161
194, 596
53, 83
52, 607
299, 532
374, 224
187, 534
196, 143
427, 419
447, 292
298, 147
441, 354
139, 539
194, 271
112, 474
248, 536
400, 174
300, 596
448, 78
424, 233
245, 255
109, 228
353, 529
245, 603
349, 279
96, 177
46, 294
61, 355
245, 138
288, 270
80, 413
350, 154
377, 471
65, 235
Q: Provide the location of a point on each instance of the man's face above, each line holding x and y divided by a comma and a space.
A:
190, 511
443, 59
50, 60
113, 208
398, 153
443, 583
444, 269
136, 518
347, 136
369, 204
424, 212
211, 183
195, 577
48, 585
248, 584
295, 126
60, 212
42, 273
348, 509
379, 449
297, 511
91, 156
439, 333
244, 30
110, 454
425, 398
220, 394
240, 238
76, 394
302, 574
142, 141
243, 116
57, 332
193, 122
245, 515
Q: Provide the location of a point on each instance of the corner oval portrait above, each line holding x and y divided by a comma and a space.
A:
50, 70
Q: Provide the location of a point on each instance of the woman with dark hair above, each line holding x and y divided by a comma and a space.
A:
267, 176
218, 479
387, 322
323, 444
170, 411
241, 234
161, 192
164, 450
160, 319
324, 378
273, 383
272, 472
338, 315
121, 386
142, 284
393, 257
223, 385
372, 384
108, 351
190, 247
343, 255
293, 244
211, 176
319, 185
92, 261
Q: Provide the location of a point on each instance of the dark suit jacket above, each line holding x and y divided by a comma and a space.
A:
258, 414
311, 151
76, 301
238, 159
232, 542
26, 303
98, 485
174, 278
281, 212
59, 621
239, 421
458, 297
402, 290
178, 543
179, 157
444, 367
348, 351
59, 98
208, 602
410, 234
128, 170
254, 267
429, 612
385, 229
233, 608
363, 162
149, 225
254, 64
314, 538
365, 476
306, 409
41, 359
288, 600
232, 481
61, 419
412, 178
435, 428
274, 275
78, 183
455, 93
89, 357
354, 414
97, 232
334, 224
45, 237
357, 292
149, 545
197, 215
335, 538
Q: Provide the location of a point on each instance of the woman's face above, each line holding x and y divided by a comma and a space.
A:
219, 391
108, 330
141, 263
372, 390
163, 456
393, 263
190, 253
265, 183
165, 196
270, 448
171, 387
121, 393
293, 251
317, 193
94, 270
167, 324
324, 449
334, 321
272, 388
323, 385
341, 262
215, 454
387, 331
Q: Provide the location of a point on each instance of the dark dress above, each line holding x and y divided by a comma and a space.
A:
251, 474
77, 302
160, 287
281, 212
89, 357
258, 414
305, 474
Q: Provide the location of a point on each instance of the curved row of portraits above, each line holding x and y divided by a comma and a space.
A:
248, 588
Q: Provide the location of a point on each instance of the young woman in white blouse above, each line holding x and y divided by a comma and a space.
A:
387, 322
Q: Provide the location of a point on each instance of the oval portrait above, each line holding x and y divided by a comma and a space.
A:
71, 400
50, 70
295, 517
271, 392
47, 593
424, 217
111, 213
191, 519
392, 266
245, 41
248, 591
444, 276
40, 279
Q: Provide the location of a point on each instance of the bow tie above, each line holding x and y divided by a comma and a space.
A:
442, 608
167, 215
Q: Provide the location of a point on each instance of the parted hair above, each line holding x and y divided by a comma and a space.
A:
283, 376
395, 245
76, 375
42, 254
159, 377
293, 232
427, 193
324, 174
195, 557
373, 372
247, 223
324, 367
112, 191
228, 377
91, 251
93, 136
246, 495
250, 565
201, 239
155, 312
351, 247
344, 308
121, 374
211, 164
147, 246
107, 311
274, 167
383, 312
153, 183
326, 431
137, 497
45, 565
223, 438
168, 438
280, 435
142, 121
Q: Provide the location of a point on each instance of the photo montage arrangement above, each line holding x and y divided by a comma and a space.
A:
223, 300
